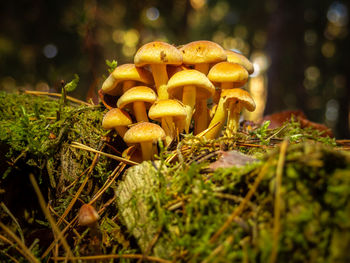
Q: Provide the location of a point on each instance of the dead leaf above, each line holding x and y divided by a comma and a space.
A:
230, 159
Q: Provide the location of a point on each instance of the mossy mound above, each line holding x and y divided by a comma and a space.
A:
285, 199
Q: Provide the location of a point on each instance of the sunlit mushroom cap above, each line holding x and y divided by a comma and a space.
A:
228, 72
167, 108
190, 77
241, 95
157, 52
235, 57
138, 93
144, 132
116, 117
202, 51
87, 215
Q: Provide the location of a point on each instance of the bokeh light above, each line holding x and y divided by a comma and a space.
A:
310, 37
328, 49
197, 4
332, 112
131, 38
338, 14
312, 73
50, 51
219, 11
152, 13
118, 36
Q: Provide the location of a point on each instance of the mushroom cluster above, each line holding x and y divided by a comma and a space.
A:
170, 90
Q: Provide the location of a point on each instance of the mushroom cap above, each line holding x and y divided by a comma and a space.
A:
109, 86
241, 95
116, 117
112, 84
235, 57
144, 132
167, 108
157, 52
87, 215
228, 72
190, 77
202, 51
138, 93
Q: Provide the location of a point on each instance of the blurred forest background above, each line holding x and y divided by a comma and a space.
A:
300, 49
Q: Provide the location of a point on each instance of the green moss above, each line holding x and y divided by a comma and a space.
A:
195, 203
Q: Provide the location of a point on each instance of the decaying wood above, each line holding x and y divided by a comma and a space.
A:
138, 182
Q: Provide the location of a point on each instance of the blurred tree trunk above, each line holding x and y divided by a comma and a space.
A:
93, 50
286, 72
343, 124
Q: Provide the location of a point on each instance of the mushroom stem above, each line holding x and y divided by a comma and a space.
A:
160, 77
147, 150
121, 130
226, 85
128, 84
219, 116
189, 100
216, 96
202, 67
179, 125
169, 129
234, 111
220, 113
201, 116
140, 111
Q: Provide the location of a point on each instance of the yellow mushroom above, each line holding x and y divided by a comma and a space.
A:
189, 83
228, 76
138, 96
145, 133
172, 115
158, 55
235, 57
125, 77
116, 119
201, 54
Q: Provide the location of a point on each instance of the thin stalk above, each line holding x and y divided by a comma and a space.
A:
14, 220
21, 248
242, 205
48, 250
111, 256
32, 92
48, 216
87, 148
278, 197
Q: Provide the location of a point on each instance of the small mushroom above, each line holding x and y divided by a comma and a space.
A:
117, 119
88, 216
231, 103
146, 134
236, 100
158, 54
190, 82
201, 54
138, 96
228, 76
172, 115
